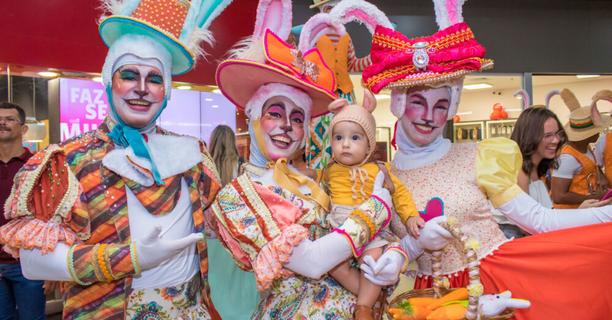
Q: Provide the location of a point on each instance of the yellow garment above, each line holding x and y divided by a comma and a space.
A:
607, 155
336, 57
338, 178
497, 167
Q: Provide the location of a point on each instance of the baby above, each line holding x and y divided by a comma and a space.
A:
350, 180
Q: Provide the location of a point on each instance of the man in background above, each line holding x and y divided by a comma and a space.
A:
20, 298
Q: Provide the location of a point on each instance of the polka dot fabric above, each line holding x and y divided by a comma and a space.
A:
453, 179
168, 15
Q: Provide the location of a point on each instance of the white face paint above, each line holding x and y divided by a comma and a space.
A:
425, 114
282, 126
138, 94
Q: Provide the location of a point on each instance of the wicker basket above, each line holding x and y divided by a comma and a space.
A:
440, 284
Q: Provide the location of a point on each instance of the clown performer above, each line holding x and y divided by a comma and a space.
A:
560, 269
112, 212
325, 31
272, 218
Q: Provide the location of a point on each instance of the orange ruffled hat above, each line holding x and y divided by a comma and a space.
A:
239, 79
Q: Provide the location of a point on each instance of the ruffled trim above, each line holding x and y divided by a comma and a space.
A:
268, 265
29, 233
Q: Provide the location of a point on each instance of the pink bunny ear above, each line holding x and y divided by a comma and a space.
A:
448, 12
275, 15
362, 12
317, 26
337, 105
369, 100
549, 96
524, 97
595, 115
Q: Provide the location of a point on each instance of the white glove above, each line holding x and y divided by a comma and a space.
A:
313, 259
52, 266
532, 217
385, 271
433, 237
153, 250
380, 191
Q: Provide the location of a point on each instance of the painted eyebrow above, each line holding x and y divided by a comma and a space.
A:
277, 104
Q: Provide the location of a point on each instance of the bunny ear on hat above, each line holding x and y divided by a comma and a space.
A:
448, 12
602, 95
549, 96
369, 100
318, 25
362, 12
570, 99
338, 105
273, 15
524, 98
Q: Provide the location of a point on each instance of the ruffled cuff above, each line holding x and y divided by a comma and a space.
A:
497, 167
31, 233
102, 262
270, 261
398, 248
365, 223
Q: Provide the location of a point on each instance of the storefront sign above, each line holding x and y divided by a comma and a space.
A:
83, 106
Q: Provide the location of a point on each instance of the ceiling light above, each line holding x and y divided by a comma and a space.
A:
184, 87
465, 113
97, 79
216, 91
477, 86
215, 106
48, 74
208, 99
515, 110
585, 76
382, 96
518, 96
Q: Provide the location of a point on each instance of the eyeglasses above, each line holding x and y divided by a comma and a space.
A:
552, 135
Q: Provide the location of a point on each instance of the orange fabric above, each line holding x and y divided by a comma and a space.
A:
563, 273
168, 15
579, 184
336, 57
309, 66
607, 156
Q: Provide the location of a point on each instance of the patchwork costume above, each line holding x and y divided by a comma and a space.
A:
558, 268
101, 194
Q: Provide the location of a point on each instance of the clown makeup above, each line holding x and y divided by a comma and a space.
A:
282, 125
349, 143
138, 94
426, 114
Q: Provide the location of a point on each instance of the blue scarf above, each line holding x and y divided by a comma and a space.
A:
126, 136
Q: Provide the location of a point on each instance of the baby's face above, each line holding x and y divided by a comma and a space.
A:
349, 143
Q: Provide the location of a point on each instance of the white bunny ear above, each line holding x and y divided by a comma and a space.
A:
274, 15
318, 25
524, 97
518, 303
362, 12
448, 12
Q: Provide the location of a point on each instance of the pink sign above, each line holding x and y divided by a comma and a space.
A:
83, 106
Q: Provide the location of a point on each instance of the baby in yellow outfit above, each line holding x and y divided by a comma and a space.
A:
350, 179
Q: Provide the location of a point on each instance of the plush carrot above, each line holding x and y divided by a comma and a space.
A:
455, 311
414, 312
457, 294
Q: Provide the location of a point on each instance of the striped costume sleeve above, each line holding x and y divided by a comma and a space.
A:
357, 64
88, 264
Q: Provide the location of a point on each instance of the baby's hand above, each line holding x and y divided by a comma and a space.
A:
414, 224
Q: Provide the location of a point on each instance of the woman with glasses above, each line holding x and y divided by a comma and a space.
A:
540, 136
